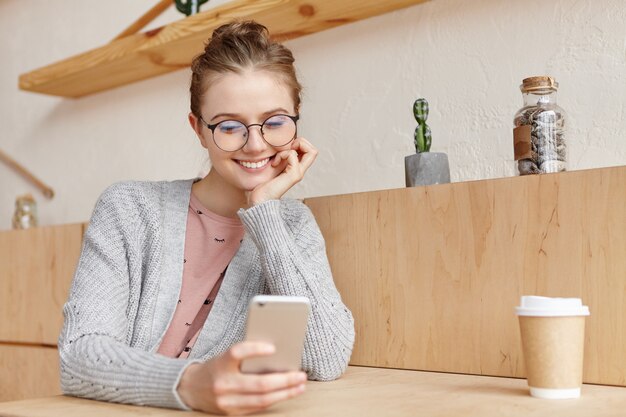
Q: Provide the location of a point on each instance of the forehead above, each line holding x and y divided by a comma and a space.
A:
249, 94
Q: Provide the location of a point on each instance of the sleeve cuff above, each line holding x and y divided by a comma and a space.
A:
265, 225
181, 403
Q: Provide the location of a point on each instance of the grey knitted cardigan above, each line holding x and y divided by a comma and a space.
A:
128, 280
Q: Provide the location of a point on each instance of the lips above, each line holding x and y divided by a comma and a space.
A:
254, 164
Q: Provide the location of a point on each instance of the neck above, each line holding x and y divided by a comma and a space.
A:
218, 196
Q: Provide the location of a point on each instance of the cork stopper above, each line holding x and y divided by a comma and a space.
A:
537, 84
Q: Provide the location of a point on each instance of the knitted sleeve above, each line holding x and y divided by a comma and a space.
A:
294, 262
96, 359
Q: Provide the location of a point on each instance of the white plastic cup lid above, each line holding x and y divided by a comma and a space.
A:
533, 305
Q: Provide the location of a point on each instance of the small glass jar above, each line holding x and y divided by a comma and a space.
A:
539, 133
25, 215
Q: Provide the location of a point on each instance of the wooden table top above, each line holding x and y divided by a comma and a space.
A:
365, 392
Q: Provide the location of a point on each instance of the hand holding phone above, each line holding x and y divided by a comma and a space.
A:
218, 386
281, 321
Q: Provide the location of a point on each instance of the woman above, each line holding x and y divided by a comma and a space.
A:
158, 257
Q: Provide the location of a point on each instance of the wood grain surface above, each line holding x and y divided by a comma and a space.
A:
433, 274
369, 392
144, 55
36, 269
28, 372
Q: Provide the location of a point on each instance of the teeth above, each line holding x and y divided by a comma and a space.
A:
254, 165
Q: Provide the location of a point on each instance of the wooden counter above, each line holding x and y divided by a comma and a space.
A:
36, 268
365, 392
432, 274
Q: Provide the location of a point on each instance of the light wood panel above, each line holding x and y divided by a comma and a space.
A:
368, 392
172, 47
432, 274
28, 372
36, 269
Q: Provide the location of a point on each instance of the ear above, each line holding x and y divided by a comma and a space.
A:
197, 127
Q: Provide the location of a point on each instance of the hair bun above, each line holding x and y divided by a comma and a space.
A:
236, 46
241, 28
246, 31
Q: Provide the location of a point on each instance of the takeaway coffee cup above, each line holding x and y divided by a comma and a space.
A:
553, 337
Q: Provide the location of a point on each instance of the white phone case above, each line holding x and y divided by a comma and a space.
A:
282, 321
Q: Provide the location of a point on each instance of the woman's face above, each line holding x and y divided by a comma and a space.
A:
250, 97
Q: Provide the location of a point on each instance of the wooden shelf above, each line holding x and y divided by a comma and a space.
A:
172, 47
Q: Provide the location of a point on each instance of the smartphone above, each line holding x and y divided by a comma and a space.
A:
282, 321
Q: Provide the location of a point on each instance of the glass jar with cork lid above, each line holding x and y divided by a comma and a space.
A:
539, 133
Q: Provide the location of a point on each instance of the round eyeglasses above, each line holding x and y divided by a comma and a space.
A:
232, 135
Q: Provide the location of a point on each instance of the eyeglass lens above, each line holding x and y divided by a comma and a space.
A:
231, 135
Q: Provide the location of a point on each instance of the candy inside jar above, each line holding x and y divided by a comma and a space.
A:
539, 139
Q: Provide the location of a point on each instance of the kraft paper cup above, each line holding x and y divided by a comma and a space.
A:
553, 338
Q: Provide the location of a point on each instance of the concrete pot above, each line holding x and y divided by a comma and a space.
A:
426, 168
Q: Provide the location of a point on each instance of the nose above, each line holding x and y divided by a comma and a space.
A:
255, 142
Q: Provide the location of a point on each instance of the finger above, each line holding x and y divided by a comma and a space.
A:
302, 146
244, 350
308, 159
254, 402
248, 384
297, 145
302, 142
292, 158
307, 152
262, 384
280, 156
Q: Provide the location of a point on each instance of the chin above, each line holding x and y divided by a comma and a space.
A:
247, 187
249, 184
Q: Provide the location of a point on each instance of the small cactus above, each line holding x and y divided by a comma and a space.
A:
189, 7
422, 135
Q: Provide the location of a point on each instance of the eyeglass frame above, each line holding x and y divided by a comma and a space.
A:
213, 126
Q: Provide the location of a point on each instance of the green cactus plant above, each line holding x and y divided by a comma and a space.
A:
422, 134
189, 7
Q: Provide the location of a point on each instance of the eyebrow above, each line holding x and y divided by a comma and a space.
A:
238, 116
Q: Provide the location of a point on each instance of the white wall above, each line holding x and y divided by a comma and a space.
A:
467, 57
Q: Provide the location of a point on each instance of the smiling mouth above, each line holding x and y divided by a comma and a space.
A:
254, 165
